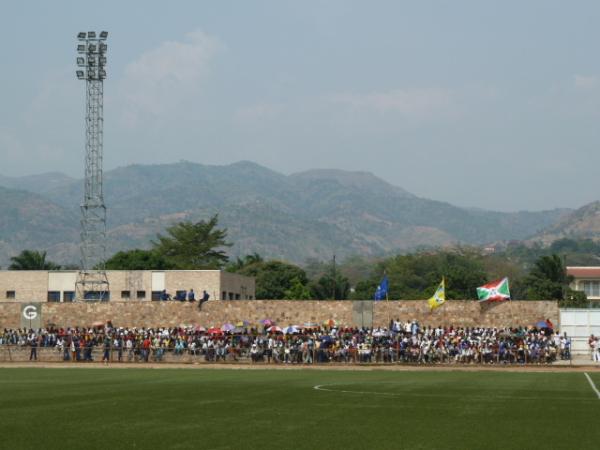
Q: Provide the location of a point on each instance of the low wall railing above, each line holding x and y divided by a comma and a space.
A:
249, 355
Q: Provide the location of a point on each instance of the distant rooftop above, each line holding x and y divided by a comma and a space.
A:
584, 271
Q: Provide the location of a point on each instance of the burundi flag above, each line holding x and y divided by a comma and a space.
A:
439, 296
495, 291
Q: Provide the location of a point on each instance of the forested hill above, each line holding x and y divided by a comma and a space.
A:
583, 223
309, 214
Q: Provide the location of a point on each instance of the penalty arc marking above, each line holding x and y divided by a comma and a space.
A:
328, 388
321, 387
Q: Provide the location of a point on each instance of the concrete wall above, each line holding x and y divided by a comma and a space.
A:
26, 284
232, 284
135, 313
186, 280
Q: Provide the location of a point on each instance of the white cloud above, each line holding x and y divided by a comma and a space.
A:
586, 82
161, 78
416, 102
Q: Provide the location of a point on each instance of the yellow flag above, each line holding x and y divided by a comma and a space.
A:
439, 297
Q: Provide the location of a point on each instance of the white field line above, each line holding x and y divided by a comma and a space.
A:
326, 387
592, 385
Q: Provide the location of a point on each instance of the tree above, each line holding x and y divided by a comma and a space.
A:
416, 276
548, 279
197, 245
246, 261
298, 291
32, 260
323, 288
275, 279
574, 299
137, 259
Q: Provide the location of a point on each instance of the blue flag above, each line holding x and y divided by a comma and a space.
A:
382, 289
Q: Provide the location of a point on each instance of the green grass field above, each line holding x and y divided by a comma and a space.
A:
276, 409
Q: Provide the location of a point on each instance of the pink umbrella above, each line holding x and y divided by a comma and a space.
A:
267, 322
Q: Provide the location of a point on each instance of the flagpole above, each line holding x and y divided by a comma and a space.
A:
512, 314
387, 301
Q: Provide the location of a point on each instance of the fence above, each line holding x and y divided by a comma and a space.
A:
579, 324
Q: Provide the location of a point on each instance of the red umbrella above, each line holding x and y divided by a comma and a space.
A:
214, 330
274, 329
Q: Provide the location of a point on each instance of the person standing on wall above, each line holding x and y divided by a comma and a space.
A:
106, 355
34, 345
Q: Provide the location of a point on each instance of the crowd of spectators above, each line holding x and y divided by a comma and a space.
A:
399, 343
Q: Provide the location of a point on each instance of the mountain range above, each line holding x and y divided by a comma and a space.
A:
311, 214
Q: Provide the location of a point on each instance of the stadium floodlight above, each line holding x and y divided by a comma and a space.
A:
92, 282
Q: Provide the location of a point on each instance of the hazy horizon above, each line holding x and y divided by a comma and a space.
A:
490, 105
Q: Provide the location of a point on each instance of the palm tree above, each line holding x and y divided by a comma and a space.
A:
32, 260
241, 263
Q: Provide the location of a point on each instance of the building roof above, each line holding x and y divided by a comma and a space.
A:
584, 272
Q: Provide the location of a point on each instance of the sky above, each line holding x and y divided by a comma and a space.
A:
489, 104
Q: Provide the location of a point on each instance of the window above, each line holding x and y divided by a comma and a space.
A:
237, 296
68, 296
10, 295
141, 295
125, 294
156, 295
231, 296
180, 295
54, 296
591, 288
224, 296
97, 296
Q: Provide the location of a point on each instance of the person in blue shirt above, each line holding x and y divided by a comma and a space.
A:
191, 296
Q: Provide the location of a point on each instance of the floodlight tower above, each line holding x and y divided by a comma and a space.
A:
92, 282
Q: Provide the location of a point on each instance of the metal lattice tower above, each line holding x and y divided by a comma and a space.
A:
92, 282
